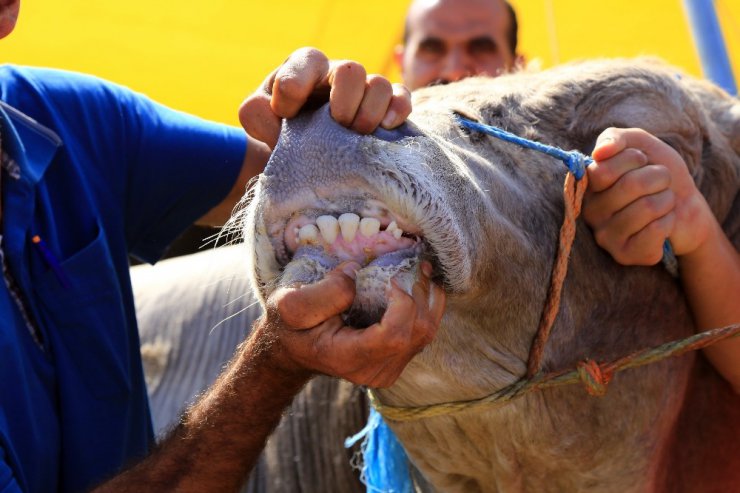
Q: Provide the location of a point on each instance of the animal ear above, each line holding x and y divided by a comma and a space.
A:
665, 112
721, 156
719, 175
700, 121
722, 109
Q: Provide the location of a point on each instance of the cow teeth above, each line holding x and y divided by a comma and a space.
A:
348, 223
394, 230
369, 226
329, 227
308, 234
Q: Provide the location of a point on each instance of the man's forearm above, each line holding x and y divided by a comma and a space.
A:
220, 437
254, 161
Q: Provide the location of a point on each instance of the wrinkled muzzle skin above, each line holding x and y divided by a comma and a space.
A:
487, 214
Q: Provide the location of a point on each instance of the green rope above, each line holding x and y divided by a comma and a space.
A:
594, 376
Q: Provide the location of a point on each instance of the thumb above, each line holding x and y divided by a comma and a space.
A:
608, 144
258, 119
308, 305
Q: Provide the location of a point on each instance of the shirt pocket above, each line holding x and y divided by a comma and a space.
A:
86, 321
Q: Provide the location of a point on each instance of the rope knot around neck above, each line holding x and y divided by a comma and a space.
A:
593, 378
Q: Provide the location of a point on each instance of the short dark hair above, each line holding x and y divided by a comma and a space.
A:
513, 28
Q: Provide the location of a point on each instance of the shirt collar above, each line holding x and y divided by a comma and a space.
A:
28, 146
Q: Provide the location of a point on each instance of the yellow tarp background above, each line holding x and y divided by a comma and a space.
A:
204, 57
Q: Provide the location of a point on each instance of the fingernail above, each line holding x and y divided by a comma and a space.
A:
426, 268
602, 141
389, 119
350, 269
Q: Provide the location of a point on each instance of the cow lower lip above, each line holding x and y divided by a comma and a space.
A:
311, 263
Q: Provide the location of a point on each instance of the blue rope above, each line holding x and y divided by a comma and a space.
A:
385, 467
670, 262
574, 160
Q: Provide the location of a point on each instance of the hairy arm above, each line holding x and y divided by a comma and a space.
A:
219, 439
640, 193
221, 436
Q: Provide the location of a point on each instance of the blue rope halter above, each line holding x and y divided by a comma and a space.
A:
574, 160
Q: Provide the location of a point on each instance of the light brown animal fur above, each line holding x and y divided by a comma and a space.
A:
490, 212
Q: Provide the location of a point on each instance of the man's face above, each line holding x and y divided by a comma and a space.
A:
449, 40
8, 15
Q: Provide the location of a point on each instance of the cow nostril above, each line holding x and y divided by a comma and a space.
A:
399, 133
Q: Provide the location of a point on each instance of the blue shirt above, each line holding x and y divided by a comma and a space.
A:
97, 172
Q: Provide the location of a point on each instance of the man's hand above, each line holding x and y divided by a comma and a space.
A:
221, 436
359, 101
309, 334
640, 193
307, 78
